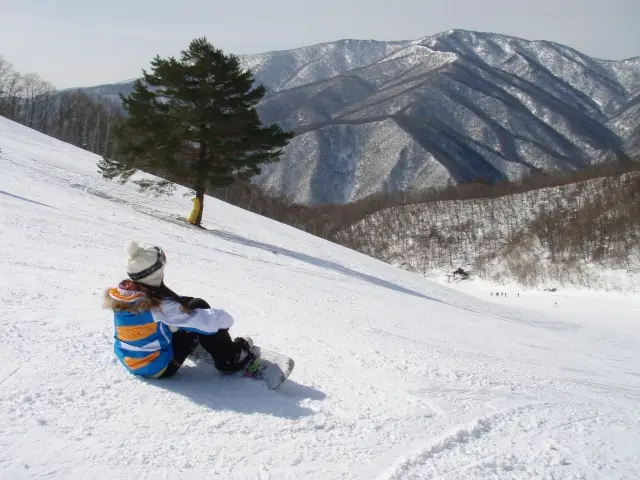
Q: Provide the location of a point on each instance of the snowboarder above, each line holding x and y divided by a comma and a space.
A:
157, 329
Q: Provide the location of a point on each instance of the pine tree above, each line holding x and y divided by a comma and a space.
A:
193, 122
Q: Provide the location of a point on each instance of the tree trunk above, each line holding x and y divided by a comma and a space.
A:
200, 197
200, 183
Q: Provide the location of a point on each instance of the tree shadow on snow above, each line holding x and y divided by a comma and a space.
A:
243, 395
327, 264
2, 192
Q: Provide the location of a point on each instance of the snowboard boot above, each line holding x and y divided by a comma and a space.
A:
246, 342
243, 357
250, 357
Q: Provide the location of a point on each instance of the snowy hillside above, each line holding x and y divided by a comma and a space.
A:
286, 69
396, 377
579, 233
453, 107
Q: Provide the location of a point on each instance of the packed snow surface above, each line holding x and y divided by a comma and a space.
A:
397, 376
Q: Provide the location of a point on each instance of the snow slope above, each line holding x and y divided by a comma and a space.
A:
396, 377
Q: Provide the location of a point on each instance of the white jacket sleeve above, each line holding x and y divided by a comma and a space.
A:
201, 320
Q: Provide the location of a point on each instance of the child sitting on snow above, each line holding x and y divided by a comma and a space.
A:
157, 329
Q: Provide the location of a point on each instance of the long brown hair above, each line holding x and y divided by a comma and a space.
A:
162, 293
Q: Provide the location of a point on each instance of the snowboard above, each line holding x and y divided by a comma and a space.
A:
273, 368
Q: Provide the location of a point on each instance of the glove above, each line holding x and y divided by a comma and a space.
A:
192, 303
197, 303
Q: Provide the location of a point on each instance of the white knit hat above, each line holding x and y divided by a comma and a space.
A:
145, 263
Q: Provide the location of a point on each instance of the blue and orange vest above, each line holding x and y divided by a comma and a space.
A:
142, 345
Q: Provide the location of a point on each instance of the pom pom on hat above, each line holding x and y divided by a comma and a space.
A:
132, 248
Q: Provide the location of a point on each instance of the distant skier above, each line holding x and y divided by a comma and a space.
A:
157, 329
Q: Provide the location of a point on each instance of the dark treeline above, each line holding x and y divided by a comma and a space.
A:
71, 115
332, 221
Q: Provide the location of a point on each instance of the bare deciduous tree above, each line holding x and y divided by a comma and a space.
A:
71, 116
524, 231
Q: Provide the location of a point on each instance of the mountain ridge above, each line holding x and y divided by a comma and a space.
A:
454, 107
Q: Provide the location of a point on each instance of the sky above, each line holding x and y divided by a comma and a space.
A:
75, 43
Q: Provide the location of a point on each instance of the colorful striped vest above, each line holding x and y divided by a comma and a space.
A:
142, 345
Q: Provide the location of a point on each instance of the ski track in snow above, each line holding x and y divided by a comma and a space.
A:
397, 377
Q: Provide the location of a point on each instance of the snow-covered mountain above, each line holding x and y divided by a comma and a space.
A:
280, 70
397, 377
453, 107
